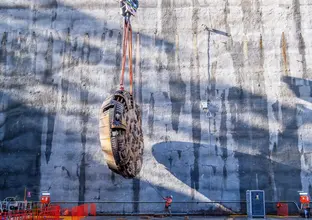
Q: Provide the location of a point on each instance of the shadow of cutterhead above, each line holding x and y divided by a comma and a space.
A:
220, 181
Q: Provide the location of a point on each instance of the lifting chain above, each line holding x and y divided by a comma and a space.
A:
127, 42
120, 126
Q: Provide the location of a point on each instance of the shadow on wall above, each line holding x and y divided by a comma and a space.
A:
21, 131
20, 147
177, 158
20, 48
302, 88
39, 56
272, 166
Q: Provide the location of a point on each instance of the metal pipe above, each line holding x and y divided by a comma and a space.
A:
181, 202
119, 202
153, 213
160, 202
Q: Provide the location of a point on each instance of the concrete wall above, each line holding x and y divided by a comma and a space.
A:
59, 59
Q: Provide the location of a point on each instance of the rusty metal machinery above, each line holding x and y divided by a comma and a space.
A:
121, 133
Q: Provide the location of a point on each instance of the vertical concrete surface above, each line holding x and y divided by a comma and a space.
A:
225, 89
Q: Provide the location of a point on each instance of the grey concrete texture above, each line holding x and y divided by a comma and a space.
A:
250, 62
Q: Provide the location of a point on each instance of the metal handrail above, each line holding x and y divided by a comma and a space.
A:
179, 202
175, 202
201, 210
216, 201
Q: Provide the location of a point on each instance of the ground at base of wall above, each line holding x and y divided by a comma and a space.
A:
186, 218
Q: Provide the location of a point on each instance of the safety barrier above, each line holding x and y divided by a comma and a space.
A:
154, 207
75, 210
52, 211
93, 209
17, 215
82, 210
179, 208
16, 205
79, 211
282, 208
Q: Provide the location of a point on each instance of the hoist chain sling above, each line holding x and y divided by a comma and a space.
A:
121, 133
127, 41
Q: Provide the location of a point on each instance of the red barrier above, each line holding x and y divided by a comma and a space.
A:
51, 212
74, 212
282, 209
77, 212
80, 210
85, 209
21, 214
66, 212
93, 209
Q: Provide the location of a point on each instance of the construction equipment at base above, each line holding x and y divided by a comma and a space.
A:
121, 133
